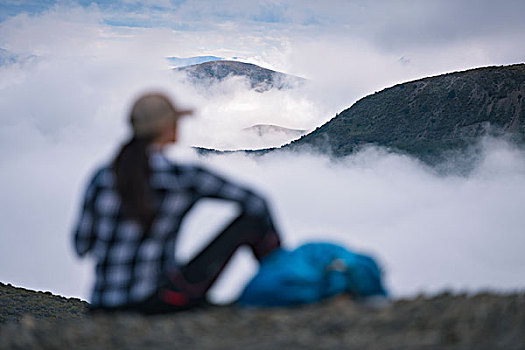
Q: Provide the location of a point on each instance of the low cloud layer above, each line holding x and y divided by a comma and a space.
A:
430, 232
70, 76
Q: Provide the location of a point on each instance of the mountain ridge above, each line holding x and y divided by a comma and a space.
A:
428, 116
261, 79
179, 62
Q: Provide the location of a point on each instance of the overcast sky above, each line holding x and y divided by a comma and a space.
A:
69, 69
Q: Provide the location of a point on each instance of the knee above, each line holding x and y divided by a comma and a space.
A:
257, 206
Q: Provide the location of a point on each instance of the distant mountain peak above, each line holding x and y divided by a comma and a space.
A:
260, 79
178, 62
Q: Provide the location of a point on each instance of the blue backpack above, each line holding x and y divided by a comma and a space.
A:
310, 273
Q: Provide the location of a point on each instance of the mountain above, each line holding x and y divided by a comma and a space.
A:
429, 117
260, 79
265, 129
188, 61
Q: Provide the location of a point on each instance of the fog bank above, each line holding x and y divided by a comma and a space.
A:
68, 74
430, 232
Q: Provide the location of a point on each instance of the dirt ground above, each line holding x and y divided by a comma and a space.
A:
38, 320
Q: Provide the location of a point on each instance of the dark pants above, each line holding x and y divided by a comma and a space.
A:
186, 287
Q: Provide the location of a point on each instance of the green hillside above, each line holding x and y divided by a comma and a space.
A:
430, 116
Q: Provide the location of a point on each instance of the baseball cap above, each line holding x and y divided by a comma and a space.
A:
152, 112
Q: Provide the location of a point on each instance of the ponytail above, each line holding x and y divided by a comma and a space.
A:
132, 170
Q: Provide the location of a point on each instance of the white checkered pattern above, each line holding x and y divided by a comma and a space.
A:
128, 265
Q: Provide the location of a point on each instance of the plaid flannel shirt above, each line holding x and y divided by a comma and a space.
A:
128, 265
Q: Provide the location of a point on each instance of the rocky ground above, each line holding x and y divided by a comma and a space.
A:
40, 320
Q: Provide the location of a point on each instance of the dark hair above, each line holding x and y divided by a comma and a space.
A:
132, 170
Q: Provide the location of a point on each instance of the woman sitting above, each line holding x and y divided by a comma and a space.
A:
132, 213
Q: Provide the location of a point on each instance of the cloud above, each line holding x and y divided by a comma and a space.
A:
431, 232
64, 110
229, 106
394, 28
411, 24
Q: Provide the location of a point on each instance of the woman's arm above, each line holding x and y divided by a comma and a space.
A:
211, 185
83, 234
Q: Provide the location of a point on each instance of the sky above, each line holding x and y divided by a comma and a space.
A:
70, 69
